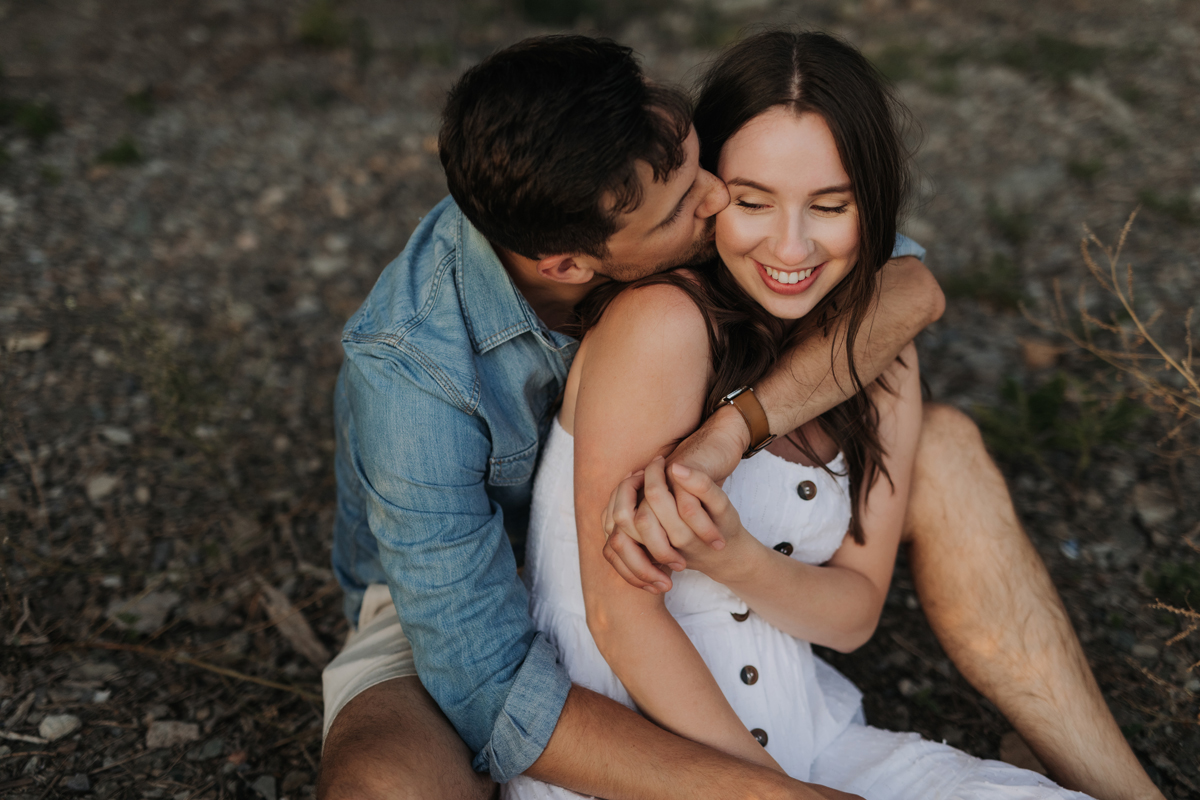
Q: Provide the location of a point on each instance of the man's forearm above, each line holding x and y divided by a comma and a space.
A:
807, 383
601, 748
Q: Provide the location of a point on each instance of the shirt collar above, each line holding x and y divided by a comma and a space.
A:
494, 310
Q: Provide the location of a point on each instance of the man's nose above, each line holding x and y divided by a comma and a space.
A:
792, 245
715, 197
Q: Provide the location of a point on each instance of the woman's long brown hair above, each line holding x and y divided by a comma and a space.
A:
806, 73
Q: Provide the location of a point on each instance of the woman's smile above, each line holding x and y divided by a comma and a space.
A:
788, 281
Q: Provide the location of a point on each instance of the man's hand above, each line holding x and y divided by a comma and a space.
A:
638, 544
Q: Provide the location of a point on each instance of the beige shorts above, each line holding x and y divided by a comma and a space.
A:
378, 651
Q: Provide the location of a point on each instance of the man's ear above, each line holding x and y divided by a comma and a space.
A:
574, 269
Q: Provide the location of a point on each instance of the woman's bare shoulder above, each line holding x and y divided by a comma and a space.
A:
664, 311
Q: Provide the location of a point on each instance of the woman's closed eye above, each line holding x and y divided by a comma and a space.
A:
832, 209
748, 205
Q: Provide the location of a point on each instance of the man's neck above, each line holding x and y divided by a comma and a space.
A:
553, 301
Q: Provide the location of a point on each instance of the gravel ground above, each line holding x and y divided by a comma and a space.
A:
194, 198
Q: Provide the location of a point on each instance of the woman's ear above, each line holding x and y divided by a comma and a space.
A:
576, 269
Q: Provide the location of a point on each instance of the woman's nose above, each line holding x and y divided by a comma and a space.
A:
792, 245
715, 194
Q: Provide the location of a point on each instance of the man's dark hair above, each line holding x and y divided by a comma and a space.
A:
540, 142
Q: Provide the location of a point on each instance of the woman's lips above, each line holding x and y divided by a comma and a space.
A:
782, 285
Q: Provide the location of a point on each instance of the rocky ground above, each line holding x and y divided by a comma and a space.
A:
195, 196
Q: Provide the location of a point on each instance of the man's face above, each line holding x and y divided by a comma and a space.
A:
673, 226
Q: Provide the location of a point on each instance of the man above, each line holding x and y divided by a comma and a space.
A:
571, 171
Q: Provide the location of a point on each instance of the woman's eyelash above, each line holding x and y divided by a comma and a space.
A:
744, 204
833, 209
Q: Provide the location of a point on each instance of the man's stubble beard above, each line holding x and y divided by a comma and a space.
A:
702, 250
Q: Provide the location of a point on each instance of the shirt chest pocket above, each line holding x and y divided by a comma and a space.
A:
513, 470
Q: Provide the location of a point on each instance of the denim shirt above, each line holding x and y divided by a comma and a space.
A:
441, 404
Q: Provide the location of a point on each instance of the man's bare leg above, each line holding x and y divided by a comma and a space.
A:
994, 609
392, 742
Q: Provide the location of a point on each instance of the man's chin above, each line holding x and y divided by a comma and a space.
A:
702, 252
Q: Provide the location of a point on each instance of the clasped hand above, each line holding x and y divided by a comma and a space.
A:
682, 522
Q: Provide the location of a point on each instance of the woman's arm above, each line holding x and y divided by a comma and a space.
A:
810, 379
838, 604
645, 370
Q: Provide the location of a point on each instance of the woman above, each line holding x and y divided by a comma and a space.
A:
801, 130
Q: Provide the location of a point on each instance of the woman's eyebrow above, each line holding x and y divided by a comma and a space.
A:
845, 187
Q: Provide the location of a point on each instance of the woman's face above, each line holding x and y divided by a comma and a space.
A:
790, 233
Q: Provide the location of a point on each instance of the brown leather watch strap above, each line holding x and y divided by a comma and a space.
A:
746, 402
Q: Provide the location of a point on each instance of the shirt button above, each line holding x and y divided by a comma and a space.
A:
760, 735
807, 490
742, 617
785, 548
749, 675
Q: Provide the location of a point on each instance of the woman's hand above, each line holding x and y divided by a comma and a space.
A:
693, 511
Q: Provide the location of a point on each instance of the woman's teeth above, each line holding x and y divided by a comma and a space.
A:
788, 277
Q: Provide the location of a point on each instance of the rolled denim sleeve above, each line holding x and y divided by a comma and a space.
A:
905, 246
422, 460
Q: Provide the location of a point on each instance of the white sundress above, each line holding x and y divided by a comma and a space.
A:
807, 714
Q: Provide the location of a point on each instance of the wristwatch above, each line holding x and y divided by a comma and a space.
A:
746, 402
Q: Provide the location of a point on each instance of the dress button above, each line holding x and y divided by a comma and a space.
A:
807, 490
742, 617
749, 675
760, 735
785, 548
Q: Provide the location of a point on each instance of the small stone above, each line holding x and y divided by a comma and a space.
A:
167, 733
27, 342
294, 780
908, 687
1070, 549
142, 495
103, 358
246, 241
143, 615
265, 786
1013, 750
78, 783
1154, 504
1193, 686
1147, 652
211, 749
323, 266
115, 435
100, 486
56, 726
1039, 354
102, 696
95, 671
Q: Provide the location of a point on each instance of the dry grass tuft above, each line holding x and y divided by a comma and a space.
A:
1168, 383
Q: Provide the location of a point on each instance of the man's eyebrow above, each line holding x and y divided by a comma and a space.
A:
675, 211
845, 187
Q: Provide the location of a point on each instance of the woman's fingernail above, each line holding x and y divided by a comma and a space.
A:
662, 587
680, 471
719, 544
675, 565
650, 589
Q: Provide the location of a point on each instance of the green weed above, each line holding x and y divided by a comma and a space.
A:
142, 102
36, 120
997, 284
438, 52
5, 157
1014, 225
1028, 425
556, 12
320, 25
898, 62
361, 45
122, 154
1177, 207
1177, 583
711, 28
1051, 57
1085, 170
50, 175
